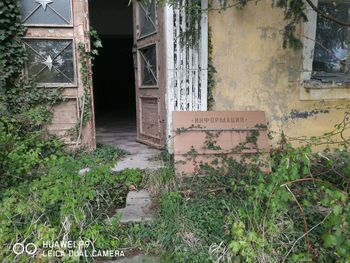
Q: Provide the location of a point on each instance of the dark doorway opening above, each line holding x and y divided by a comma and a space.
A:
113, 73
114, 77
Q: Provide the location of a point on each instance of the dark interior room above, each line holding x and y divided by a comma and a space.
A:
113, 73
114, 88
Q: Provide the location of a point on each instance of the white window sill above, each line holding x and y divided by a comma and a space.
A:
317, 90
316, 84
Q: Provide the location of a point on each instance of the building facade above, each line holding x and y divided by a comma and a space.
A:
303, 92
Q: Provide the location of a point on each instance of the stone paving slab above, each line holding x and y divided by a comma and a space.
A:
140, 198
137, 161
138, 207
120, 131
117, 131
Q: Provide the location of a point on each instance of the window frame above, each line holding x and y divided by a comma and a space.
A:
138, 21
312, 88
55, 85
71, 25
142, 62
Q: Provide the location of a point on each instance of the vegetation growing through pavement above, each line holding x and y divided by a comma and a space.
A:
59, 203
298, 213
42, 195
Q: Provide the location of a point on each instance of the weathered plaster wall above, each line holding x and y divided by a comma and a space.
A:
254, 72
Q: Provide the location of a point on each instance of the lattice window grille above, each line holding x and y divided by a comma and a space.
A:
41, 10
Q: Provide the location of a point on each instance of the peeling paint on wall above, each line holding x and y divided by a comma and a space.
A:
296, 114
254, 72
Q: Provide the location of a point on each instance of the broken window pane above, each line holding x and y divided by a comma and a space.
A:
149, 66
332, 41
46, 12
50, 61
147, 16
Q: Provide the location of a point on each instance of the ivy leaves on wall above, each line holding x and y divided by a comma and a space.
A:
21, 102
12, 53
294, 12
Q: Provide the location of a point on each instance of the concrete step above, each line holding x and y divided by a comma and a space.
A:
142, 161
138, 207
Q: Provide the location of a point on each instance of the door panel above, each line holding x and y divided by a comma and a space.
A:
54, 30
149, 73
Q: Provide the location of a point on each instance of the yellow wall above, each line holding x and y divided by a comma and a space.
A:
254, 72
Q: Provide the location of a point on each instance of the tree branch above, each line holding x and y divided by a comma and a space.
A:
326, 16
306, 233
296, 241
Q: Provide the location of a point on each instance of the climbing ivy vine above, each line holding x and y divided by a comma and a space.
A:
12, 53
21, 101
86, 57
294, 12
211, 73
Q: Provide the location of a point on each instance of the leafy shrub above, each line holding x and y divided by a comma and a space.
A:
297, 213
63, 205
44, 198
293, 214
23, 156
42, 195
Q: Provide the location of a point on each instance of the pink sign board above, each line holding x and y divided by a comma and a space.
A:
199, 137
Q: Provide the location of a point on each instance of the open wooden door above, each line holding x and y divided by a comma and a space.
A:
149, 62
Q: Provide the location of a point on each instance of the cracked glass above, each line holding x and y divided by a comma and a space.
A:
50, 61
46, 12
147, 16
149, 66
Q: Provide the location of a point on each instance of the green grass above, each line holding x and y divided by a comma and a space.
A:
245, 215
62, 204
242, 215
188, 223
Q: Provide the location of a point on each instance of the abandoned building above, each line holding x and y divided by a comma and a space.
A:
144, 72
